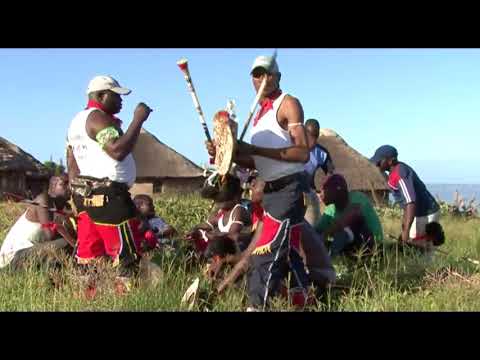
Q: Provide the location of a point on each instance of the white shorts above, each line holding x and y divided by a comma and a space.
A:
419, 223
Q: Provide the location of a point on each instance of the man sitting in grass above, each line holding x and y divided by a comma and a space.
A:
223, 234
156, 230
421, 213
349, 218
39, 228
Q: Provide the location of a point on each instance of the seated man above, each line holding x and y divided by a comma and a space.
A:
38, 227
155, 229
349, 218
222, 233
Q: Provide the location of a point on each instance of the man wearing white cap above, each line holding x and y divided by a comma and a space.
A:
278, 150
101, 170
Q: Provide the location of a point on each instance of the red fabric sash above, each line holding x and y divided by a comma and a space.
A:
266, 105
97, 105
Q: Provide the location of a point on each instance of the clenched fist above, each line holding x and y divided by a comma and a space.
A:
141, 112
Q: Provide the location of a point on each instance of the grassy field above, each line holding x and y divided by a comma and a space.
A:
396, 282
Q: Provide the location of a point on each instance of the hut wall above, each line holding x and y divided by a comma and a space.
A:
381, 196
13, 181
152, 186
182, 185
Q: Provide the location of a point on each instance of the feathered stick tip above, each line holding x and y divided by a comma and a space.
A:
182, 64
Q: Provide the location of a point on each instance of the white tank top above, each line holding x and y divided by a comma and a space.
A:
269, 134
226, 228
24, 234
92, 160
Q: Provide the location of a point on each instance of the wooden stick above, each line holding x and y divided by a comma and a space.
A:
21, 199
183, 65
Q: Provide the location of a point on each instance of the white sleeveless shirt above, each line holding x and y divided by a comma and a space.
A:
23, 235
268, 133
92, 160
226, 228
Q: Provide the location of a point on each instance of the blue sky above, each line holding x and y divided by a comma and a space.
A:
423, 101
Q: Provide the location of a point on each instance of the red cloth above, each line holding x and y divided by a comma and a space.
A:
257, 213
95, 240
93, 104
201, 242
266, 105
52, 227
150, 239
270, 233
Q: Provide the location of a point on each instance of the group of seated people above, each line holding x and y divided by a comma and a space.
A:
226, 237
48, 227
348, 225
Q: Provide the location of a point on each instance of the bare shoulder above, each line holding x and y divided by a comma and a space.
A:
291, 101
242, 214
290, 110
97, 120
32, 211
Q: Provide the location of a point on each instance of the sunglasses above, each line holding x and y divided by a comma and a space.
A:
258, 73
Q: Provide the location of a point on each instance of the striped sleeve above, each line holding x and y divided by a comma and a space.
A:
405, 185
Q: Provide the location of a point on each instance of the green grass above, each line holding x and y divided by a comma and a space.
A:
397, 282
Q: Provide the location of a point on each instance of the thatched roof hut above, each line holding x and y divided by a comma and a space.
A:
20, 172
162, 169
361, 175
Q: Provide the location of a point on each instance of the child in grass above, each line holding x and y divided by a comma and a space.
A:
156, 230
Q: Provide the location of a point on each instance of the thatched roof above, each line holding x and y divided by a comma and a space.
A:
356, 168
155, 159
12, 158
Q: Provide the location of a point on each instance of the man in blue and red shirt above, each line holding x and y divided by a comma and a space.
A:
319, 158
420, 207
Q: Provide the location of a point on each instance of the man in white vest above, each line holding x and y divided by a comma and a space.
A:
101, 170
278, 150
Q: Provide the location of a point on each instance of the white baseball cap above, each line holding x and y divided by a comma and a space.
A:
264, 62
103, 82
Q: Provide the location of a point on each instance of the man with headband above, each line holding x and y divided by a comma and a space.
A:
278, 150
102, 170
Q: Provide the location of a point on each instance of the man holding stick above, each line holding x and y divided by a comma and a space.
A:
321, 271
278, 150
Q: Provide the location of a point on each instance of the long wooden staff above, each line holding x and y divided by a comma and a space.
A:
183, 65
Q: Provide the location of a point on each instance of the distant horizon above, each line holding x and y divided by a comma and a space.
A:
205, 163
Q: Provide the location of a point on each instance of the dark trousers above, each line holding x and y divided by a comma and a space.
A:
276, 254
